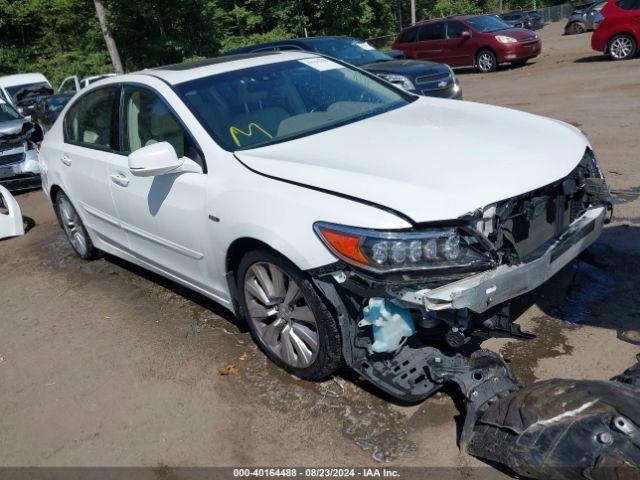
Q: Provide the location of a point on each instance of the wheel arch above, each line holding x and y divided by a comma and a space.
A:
482, 49
623, 32
53, 192
239, 247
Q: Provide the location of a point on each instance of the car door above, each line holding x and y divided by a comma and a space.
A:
90, 143
456, 45
429, 44
164, 216
69, 85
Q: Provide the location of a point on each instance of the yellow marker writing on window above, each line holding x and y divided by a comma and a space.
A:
235, 131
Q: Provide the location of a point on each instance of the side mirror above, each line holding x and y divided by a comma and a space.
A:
465, 34
159, 159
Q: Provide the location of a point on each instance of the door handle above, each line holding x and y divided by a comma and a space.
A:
65, 159
120, 179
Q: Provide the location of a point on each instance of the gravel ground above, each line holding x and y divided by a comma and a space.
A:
104, 364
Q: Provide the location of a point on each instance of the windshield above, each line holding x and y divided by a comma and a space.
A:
272, 103
487, 23
351, 51
7, 113
16, 88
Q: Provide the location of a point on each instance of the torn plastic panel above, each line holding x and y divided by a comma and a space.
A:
556, 429
11, 222
562, 429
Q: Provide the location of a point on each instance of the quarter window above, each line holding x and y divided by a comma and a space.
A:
147, 119
92, 121
434, 31
629, 4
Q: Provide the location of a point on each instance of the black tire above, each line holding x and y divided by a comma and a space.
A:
616, 52
73, 228
576, 28
329, 351
486, 61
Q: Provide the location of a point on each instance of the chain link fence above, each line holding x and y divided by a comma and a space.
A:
556, 13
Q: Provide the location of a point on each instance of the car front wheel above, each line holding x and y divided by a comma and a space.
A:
486, 61
622, 47
286, 316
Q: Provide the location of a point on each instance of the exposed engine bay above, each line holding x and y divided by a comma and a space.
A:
411, 335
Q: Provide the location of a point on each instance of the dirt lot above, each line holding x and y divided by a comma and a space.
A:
104, 364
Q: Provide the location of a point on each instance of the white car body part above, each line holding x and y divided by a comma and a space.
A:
73, 84
428, 161
8, 83
11, 224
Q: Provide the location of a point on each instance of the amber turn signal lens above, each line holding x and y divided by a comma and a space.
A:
344, 244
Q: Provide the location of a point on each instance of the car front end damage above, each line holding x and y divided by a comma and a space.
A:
409, 330
19, 166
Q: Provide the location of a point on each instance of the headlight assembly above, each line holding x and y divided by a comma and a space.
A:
389, 251
505, 39
399, 80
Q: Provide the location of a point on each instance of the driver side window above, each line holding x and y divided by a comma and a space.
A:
147, 119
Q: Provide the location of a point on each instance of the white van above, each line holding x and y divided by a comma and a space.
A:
10, 85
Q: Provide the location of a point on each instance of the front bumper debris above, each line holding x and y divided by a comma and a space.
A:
482, 291
11, 223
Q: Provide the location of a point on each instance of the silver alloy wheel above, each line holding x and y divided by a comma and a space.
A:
71, 226
283, 320
485, 61
621, 47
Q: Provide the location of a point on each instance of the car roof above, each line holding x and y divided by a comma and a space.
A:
444, 19
183, 72
304, 42
22, 78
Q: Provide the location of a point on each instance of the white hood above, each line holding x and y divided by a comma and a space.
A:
431, 160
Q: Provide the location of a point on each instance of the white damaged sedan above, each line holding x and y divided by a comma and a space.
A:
346, 220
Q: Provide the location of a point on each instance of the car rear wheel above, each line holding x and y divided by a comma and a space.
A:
486, 61
622, 47
286, 316
74, 228
576, 28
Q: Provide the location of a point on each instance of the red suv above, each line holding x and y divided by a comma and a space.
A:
619, 33
483, 41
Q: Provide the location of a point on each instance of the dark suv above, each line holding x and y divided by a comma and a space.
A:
522, 19
483, 41
420, 77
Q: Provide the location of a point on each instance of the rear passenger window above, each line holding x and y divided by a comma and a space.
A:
434, 31
409, 35
92, 121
